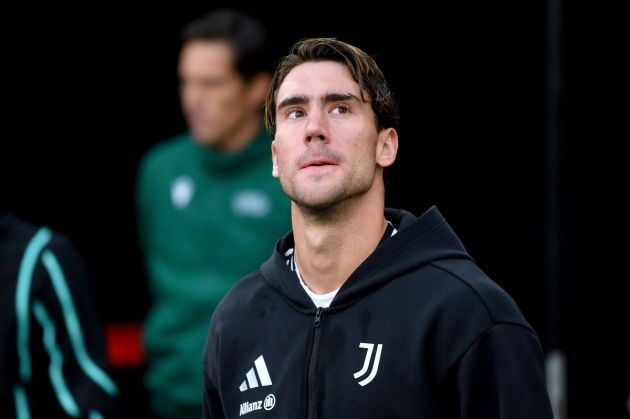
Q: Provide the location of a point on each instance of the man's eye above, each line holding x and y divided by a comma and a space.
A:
295, 114
340, 109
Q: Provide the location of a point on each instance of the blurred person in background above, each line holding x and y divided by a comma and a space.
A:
208, 208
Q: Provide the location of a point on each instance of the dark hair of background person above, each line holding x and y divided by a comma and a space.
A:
247, 36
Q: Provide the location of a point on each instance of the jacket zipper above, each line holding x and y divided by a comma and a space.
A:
310, 389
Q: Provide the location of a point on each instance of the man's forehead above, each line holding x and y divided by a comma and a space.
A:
207, 57
316, 79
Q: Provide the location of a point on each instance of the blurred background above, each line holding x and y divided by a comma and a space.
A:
506, 125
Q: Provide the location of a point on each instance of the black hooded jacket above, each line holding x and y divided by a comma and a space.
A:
417, 331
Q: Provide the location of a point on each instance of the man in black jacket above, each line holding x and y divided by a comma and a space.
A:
361, 312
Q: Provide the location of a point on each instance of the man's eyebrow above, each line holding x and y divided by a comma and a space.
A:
339, 97
326, 98
293, 100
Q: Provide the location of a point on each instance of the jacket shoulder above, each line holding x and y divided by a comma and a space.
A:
243, 296
24, 233
165, 151
475, 291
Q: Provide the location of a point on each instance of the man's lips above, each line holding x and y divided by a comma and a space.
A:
318, 162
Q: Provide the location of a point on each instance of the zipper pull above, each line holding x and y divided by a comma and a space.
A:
318, 317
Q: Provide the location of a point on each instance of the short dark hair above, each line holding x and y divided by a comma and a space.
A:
363, 68
246, 34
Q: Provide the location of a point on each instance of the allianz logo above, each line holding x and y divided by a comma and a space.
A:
267, 404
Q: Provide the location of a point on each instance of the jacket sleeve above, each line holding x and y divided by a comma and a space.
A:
501, 375
212, 405
70, 333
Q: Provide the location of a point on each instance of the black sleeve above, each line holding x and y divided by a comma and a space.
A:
212, 406
502, 376
70, 332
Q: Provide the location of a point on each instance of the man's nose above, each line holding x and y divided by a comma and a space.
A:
317, 127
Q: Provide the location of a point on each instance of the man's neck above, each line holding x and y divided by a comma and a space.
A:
242, 135
328, 249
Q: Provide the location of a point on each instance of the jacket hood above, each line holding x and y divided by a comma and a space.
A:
419, 241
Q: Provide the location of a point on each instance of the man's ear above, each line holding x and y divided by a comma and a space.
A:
258, 87
386, 147
274, 160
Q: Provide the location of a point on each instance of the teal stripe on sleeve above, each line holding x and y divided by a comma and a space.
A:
95, 414
22, 294
21, 403
72, 324
55, 369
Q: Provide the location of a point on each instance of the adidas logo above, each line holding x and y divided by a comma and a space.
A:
263, 375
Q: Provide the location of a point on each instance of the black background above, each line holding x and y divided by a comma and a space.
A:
89, 89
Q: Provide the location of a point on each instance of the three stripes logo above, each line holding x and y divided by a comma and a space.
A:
263, 375
366, 363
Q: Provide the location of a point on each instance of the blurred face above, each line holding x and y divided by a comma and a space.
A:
326, 148
213, 93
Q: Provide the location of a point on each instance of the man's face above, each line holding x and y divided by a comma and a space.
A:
325, 147
213, 93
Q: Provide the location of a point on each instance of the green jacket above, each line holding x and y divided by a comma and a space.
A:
205, 220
